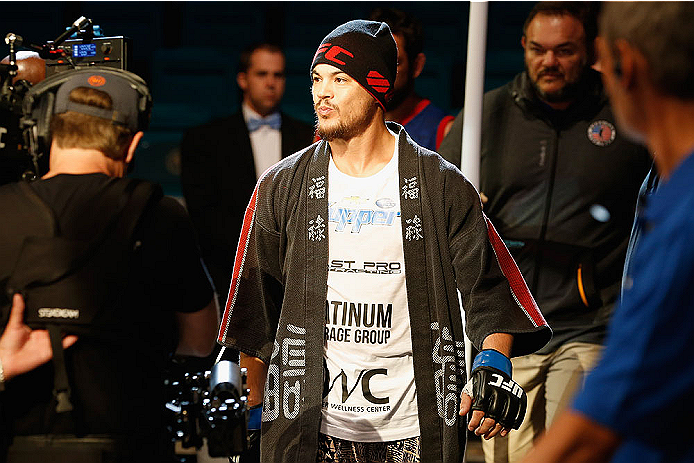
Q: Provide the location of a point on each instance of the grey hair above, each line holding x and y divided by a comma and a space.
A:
664, 33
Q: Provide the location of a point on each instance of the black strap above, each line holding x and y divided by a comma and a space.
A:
39, 207
68, 255
24, 214
119, 195
144, 194
61, 387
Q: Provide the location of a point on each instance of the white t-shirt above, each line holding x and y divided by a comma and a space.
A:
368, 346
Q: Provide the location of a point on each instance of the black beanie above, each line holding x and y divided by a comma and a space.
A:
366, 51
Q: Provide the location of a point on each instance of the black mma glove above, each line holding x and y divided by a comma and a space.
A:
494, 392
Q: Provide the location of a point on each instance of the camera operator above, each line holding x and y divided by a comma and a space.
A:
15, 161
163, 294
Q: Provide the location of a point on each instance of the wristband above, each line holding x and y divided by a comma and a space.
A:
2, 378
254, 417
494, 359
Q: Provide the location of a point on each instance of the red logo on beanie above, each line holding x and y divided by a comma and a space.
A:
96, 81
332, 53
377, 81
336, 50
320, 50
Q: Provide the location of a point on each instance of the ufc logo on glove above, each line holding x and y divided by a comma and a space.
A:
494, 392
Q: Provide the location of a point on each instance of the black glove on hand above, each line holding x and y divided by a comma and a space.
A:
494, 392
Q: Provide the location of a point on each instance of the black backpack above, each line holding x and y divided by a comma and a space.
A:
70, 286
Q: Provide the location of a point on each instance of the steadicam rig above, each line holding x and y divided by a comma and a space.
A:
212, 405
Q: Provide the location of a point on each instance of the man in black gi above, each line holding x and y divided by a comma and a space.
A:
156, 295
356, 246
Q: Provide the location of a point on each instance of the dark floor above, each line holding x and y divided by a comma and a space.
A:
473, 453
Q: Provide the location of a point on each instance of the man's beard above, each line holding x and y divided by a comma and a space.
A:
348, 126
569, 92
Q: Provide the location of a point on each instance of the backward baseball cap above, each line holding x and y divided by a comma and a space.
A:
124, 97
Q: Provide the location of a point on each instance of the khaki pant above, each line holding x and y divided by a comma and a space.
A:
550, 381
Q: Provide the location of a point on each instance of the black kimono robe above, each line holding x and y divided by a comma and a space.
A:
276, 305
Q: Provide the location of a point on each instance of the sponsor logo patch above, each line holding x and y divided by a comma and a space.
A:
601, 133
96, 81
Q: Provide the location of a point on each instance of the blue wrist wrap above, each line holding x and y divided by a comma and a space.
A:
254, 415
494, 359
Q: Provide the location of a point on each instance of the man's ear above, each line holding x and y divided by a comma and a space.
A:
242, 81
598, 45
523, 41
418, 64
624, 63
133, 145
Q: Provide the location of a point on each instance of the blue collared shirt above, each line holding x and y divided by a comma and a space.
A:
643, 387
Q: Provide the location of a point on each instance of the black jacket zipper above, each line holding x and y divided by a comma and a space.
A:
545, 218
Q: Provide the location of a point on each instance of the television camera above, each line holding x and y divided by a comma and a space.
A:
80, 45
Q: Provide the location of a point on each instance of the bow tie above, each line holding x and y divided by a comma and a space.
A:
273, 121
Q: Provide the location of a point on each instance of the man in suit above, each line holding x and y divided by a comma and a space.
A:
222, 159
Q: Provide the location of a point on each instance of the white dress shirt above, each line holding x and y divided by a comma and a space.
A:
266, 143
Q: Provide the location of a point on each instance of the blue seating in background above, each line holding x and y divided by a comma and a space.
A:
297, 96
227, 26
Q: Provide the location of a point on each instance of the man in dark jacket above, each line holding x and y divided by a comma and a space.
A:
561, 183
645, 376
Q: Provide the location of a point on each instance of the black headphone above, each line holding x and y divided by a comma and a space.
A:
39, 101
